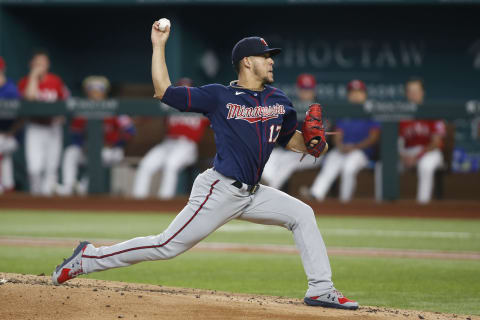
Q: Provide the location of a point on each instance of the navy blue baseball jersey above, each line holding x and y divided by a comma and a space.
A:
246, 123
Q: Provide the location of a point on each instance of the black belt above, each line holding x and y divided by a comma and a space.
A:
251, 189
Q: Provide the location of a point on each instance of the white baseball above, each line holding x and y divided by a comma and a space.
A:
163, 23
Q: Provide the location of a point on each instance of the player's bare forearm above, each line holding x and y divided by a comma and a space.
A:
160, 77
296, 144
31, 89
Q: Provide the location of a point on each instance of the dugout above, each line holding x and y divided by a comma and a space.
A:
378, 41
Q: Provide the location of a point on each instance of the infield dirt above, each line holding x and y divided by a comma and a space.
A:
34, 297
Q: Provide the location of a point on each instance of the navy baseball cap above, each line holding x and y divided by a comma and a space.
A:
252, 46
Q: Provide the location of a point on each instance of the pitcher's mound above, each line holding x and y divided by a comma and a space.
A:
34, 297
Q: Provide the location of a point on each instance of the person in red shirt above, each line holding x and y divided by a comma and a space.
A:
43, 135
116, 131
283, 163
420, 143
176, 152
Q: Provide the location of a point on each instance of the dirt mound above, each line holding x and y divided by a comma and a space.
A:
34, 297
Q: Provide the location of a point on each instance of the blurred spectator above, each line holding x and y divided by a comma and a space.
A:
306, 87
176, 152
466, 154
283, 163
8, 128
420, 143
43, 135
415, 90
117, 130
8, 89
354, 146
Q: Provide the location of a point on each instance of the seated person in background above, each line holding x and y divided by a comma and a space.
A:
177, 151
354, 145
283, 163
420, 143
117, 130
8, 128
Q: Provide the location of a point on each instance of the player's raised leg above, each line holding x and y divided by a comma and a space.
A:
278, 169
54, 150
72, 158
282, 164
354, 162
212, 203
7, 146
149, 165
6, 172
35, 136
329, 172
426, 167
182, 154
273, 207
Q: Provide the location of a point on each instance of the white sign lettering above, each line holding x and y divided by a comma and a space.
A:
349, 54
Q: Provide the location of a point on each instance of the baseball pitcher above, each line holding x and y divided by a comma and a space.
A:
248, 117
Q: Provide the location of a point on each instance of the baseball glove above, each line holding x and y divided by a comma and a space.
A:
313, 130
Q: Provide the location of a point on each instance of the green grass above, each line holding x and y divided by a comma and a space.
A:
434, 285
424, 234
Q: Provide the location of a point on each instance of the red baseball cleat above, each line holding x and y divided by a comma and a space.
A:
71, 267
333, 299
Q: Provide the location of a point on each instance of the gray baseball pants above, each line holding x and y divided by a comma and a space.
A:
213, 202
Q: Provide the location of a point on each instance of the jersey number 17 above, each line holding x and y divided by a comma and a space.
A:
274, 130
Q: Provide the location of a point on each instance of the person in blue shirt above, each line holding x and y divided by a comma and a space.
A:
354, 146
248, 118
8, 128
8, 89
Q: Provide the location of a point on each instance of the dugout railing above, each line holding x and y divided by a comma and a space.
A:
387, 113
